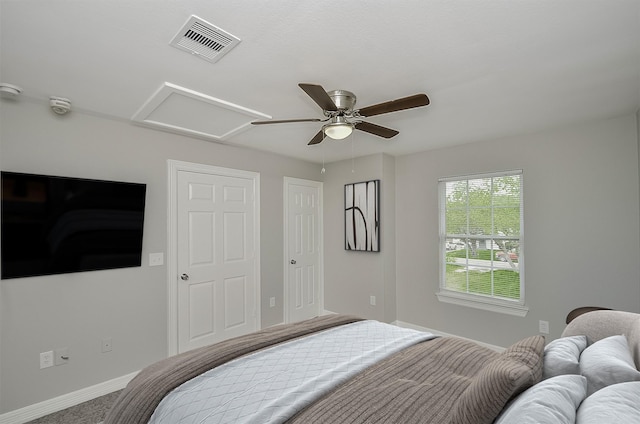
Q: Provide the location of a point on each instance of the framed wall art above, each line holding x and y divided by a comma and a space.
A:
362, 216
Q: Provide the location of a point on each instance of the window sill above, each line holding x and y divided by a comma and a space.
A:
480, 302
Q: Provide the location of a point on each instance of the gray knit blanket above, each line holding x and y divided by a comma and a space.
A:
139, 399
441, 381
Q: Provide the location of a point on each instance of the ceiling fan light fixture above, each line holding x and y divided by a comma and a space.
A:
339, 109
339, 129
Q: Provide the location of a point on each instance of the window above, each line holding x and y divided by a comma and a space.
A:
481, 242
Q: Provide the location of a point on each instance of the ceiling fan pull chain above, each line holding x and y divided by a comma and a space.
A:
353, 161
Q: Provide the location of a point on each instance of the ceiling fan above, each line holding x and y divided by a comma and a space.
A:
341, 116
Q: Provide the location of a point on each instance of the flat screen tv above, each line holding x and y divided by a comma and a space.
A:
57, 225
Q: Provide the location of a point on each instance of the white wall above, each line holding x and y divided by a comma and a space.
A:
581, 223
129, 305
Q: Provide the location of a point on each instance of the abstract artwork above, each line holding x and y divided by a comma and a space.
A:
362, 216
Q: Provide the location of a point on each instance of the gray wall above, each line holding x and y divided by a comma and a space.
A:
129, 305
581, 227
350, 278
582, 230
582, 201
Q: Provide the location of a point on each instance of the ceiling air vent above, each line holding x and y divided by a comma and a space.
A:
203, 39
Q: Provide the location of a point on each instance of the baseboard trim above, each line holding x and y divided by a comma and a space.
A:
37, 410
443, 334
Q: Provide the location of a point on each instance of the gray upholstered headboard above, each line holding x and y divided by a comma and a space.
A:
597, 325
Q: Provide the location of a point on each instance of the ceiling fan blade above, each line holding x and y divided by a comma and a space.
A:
376, 129
410, 102
319, 95
284, 121
317, 138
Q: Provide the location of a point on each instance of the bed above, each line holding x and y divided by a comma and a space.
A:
344, 369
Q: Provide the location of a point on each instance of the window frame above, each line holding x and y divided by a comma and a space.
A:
515, 307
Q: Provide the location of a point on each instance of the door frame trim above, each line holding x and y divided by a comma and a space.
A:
173, 168
318, 185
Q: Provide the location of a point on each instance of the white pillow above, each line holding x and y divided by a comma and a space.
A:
552, 401
619, 403
562, 356
608, 361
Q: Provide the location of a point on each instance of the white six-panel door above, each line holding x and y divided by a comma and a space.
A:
216, 279
303, 288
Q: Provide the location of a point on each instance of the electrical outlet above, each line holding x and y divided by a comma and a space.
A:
272, 302
46, 359
543, 327
61, 356
156, 259
107, 345
372, 300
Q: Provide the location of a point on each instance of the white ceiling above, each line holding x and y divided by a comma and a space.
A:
491, 68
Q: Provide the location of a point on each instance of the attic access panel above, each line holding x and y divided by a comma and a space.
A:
180, 110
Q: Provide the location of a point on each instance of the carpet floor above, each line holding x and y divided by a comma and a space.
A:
90, 412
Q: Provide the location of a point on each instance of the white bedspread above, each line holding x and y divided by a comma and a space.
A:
272, 385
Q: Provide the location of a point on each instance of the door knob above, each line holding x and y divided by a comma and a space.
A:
184, 277
293, 261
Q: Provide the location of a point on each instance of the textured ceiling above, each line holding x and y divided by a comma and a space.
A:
491, 68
